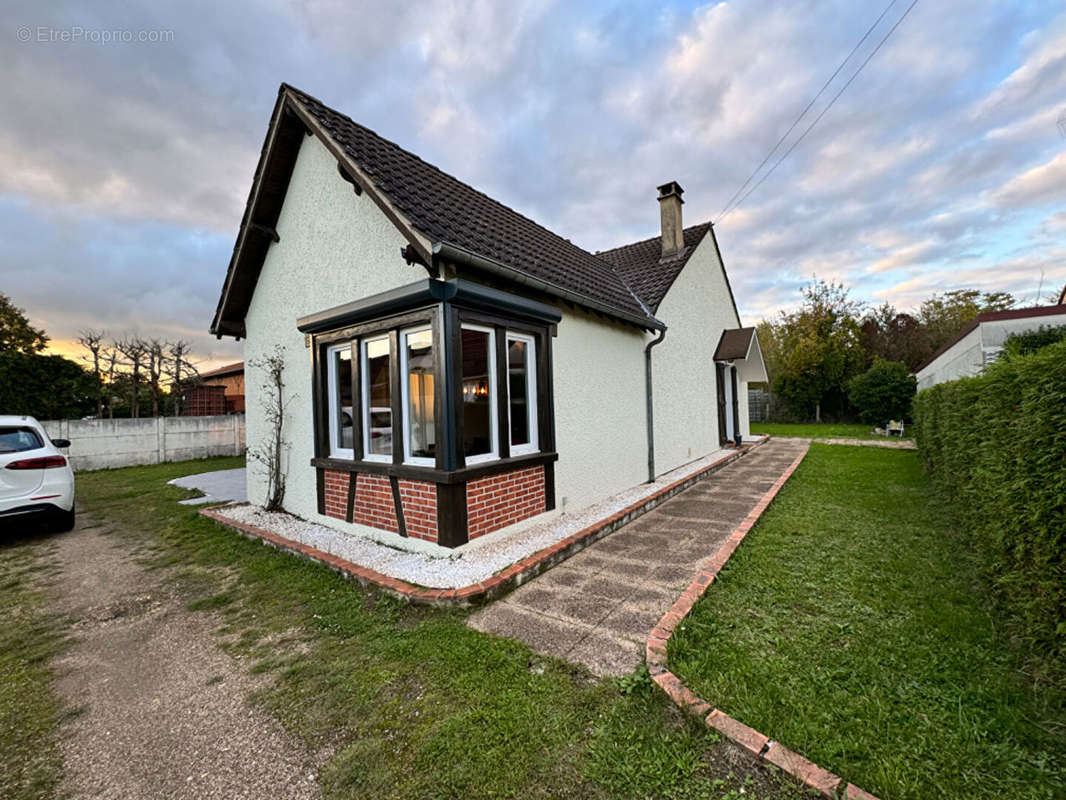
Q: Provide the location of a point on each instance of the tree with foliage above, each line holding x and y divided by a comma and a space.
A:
16, 333
46, 387
895, 336
1021, 344
821, 350
884, 392
943, 316
769, 334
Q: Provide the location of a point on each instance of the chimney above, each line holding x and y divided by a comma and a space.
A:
673, 237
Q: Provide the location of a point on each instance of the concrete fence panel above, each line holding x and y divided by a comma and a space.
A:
106, 443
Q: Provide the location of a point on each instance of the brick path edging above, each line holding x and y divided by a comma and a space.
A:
750, 739
503, 581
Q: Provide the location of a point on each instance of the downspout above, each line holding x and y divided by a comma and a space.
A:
648, 397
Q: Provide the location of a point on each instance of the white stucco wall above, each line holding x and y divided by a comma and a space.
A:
995, 332
979, 347
334, 247
961, 360
600, 426
696, 310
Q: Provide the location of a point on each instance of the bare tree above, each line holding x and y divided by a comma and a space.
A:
93, 341
156, 351
271, 453
110, 358
135, 350
180, 370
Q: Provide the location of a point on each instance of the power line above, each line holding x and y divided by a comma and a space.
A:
825, 110
726, 208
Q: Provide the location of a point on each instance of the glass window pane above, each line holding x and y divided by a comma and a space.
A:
342, 366
377, 424
478, 393
518, 389
421, 431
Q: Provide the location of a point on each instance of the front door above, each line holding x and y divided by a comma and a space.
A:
720, 381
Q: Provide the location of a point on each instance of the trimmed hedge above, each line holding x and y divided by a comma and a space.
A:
997, 444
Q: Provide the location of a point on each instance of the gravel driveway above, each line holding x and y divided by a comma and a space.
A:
163, 711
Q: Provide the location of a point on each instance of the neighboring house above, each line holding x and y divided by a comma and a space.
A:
452, 367
231, 378
980, 342
220, 391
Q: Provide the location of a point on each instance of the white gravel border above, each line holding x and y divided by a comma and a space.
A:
444, 568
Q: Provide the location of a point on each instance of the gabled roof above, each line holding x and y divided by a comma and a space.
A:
734, 344
228, 369
436, 212
642, 266
994, 316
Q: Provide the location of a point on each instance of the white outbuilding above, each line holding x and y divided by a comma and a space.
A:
980, 342
451, 367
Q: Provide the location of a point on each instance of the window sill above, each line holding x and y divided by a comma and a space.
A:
433, 475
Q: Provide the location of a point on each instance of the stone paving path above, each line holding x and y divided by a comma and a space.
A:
220, 486
596, 608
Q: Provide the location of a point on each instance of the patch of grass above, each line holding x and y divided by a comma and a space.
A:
410, 702
822, 430
853, 626
30, 637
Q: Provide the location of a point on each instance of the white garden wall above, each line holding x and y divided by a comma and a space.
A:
107, 443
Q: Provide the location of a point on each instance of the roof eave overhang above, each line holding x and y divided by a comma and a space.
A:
226, 322
427, 292
454, 253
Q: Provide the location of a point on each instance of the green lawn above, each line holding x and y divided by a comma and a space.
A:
823, 430
29, 638
408, 701
852, 626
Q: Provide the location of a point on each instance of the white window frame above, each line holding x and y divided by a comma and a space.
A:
494, 407
364, 386
533, 446
335, 451
405, 399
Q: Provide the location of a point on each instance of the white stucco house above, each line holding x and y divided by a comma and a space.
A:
453, 367
980, 342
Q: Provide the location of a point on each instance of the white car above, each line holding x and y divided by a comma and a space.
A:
36, 480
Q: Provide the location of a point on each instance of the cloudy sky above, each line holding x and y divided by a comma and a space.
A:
125, 165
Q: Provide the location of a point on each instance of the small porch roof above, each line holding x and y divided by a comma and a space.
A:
740, 346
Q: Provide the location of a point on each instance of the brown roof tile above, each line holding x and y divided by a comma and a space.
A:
642, 266
734, 344
445, 209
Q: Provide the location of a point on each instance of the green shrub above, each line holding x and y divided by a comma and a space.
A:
883, 392
996, 443
1022, 344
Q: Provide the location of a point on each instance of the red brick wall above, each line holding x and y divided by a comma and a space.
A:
374, 506
496, 501
373, 500
419, 500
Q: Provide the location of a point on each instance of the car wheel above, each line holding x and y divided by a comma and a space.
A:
63, 521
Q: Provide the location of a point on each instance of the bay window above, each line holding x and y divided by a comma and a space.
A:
419, 406
477, 364
377, 399
340, 401
522, 393
459, 383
